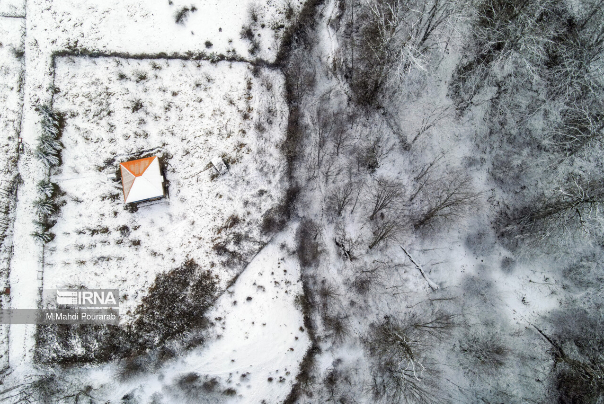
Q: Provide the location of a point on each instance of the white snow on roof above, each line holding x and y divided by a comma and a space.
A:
219, 165
149, 185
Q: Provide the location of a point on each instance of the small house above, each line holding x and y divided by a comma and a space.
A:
142, 180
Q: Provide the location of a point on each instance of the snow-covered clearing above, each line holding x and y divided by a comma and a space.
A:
261, 340
189, 112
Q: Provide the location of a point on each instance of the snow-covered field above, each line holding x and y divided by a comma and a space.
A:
260, 339
151, 27
189, 112
252, 354
12, 8
186, 111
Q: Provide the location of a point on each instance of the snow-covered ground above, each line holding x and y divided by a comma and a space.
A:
252, 355
218, 105
150, 27
188, 111
11, 98
12, 8
260, 336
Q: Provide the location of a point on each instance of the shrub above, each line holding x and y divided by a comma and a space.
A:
137, 105
131, 208
230, 392
42, 236
486, 350
247, 33
44, 207
338, 327
140, 76
180, 17
46, 188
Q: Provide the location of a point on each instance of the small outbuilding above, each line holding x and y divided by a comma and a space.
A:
142, 180
219, 165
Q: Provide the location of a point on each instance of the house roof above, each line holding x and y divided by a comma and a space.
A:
141, 179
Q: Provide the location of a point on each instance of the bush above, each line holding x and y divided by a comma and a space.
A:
230, 392
486, 351
43, 236
137, 105
133, 366
180, 17
337, 327
140, 76
44, 207
47, 188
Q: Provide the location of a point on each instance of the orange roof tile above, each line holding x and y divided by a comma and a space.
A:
138, 167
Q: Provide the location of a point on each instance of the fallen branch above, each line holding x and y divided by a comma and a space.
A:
432, 285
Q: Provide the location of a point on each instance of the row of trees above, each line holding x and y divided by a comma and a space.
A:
48, 151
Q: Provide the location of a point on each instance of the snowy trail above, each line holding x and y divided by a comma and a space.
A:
11, 105
26, 261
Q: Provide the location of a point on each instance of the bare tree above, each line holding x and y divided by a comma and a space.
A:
430, 119
580, 124
575, 206
385, 195
341, 197
384, 230
347, 243
405, 27
387, 38
341, 135
446, 199
399, 349
424, 178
